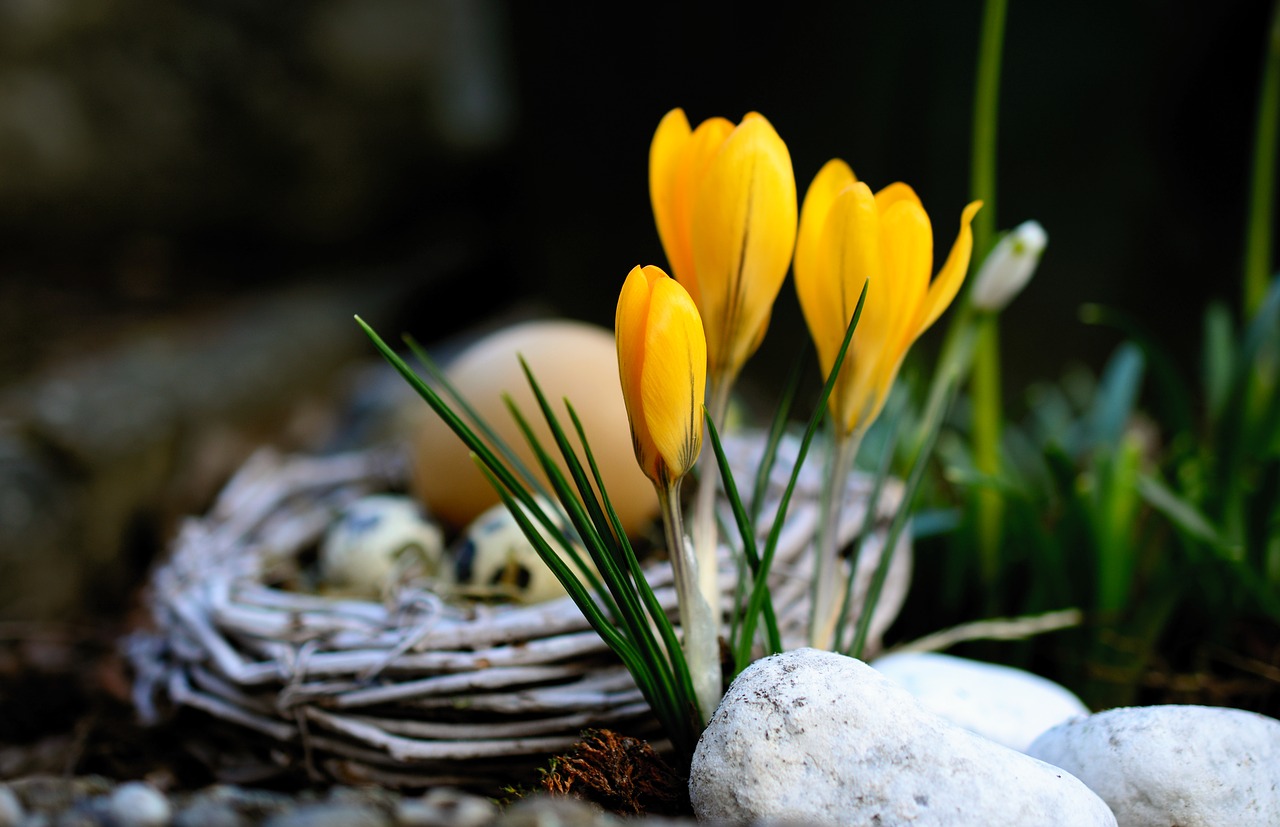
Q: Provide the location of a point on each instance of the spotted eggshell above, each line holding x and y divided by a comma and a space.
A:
494, 559
376, 539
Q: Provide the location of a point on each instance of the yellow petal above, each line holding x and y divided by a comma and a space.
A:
701, 149
906, 250
849, 255
666, 155
834, 176
744, 233
895, 192
951, 276
674, 377
630, 325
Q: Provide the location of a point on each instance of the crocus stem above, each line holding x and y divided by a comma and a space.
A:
705, 534
985, 389
822, 620
986, 366
986, 99
701, 645
1257, 254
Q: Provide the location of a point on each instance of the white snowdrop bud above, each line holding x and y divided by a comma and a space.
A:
1009, 266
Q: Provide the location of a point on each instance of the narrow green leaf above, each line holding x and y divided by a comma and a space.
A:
746, 530
759, 591
660, 620
1117, 395
1218, 358
1184, 515
1171, 385
777, 428
868, 523
628, 608
509, 456
455, 423
941, 396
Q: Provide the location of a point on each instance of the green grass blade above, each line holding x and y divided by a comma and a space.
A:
1170, 383
458, 401
746, 530
940, 398
636, 664
571, 507
589, 517
1117, 395
621, 595
777, 428
755, 605
1257, 252
455, 423
868, 521
1218, 359
1235, 428
1185, 516
679, 666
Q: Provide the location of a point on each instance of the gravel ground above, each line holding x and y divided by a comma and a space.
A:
95, 801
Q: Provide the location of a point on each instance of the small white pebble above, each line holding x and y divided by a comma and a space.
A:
135, 804
443, 807
10, 808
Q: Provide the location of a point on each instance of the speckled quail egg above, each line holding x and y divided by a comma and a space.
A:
377, 542
495, 560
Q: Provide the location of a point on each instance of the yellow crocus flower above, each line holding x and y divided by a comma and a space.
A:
662, 363
847, 237
724, 200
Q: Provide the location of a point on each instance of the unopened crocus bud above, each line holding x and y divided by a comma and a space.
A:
1009, 266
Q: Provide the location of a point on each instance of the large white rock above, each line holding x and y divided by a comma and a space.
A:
812, 737
1192, 766
1007, 705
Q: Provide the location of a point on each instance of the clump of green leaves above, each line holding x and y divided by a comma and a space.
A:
1148, 498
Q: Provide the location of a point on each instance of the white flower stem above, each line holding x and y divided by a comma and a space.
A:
825, 611
705, 534
701, 643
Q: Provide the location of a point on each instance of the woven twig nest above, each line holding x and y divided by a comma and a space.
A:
418, 691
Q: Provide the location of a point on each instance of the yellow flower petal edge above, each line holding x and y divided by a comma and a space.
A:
947, 283
724, 201
848, 238
678, 161
662, 364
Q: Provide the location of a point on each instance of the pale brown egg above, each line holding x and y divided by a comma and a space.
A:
570, 359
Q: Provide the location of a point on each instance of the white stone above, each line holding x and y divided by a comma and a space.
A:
136, 804
11, 813
1010, 706
812, 737
1192, 766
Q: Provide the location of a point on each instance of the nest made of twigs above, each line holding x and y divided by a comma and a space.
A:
419, 691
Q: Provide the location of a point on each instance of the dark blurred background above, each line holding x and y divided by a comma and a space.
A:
196, 197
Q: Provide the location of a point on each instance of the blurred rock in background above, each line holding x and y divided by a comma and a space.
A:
194, 201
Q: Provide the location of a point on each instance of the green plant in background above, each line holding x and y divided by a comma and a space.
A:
1154, 513
1151, 519
1257, 244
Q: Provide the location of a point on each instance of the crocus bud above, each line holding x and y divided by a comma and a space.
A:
1009, 266
848, 237
724, 199
662, 363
